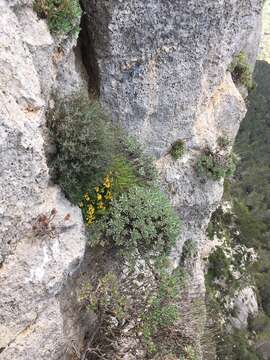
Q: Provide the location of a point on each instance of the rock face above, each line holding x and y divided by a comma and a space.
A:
162, 73
33, 267
160, 68
245, 307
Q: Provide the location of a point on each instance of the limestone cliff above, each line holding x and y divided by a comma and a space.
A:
160, 68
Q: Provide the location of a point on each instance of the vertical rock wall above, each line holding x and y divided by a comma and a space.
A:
33, 268
160, 68
163, 75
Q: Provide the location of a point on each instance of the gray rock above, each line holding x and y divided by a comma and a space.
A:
162, 69
34, 268
245, 306
162, 75
161, 62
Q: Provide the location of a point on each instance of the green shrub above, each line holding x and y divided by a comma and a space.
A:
219, 265
240, 70
260, 324
89, 147
141, 220
223, 142
148, 302
236, 346
178, 149
63, 16
215, 166
160, 312
143, 165
189, 251
85, 144
124, 175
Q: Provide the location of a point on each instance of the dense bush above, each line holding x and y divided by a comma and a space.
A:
215, 166
85, 144
63, 16
178, 149
123, 309
241, 72
141, 220
219, 264
89, 147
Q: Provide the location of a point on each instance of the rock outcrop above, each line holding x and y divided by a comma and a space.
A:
163, 74
33, 268
160, 68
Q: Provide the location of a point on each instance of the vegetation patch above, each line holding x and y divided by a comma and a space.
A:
139, 222
241, 72
89, 148
131, 221
215, 165
63, 16
178, 149
189, 251
137, 304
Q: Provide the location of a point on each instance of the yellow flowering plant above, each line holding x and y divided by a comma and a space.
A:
95, 203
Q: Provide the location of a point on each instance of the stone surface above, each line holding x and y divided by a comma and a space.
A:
160, 62
162, 74
245, 307
33, 269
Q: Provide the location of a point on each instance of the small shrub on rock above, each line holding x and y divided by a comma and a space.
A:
63, 16
189, 251
178, 149
143, 165
241, 72
215, 165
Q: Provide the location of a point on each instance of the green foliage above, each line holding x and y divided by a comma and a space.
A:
249, 192
114, 183
219, 264
216, 166
85, 144
124, 175
241, 72
161, 311
104, 297
143, 165
251, 229
251, 188
141, 220
63, 16
260, 324
189, 251
88, 147
236, 347
178, 149
148, 304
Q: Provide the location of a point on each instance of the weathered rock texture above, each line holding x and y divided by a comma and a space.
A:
160, 68
33, 268
163, 75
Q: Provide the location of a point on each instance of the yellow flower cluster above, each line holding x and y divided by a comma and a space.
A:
90, 214
99, 201
107, 181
